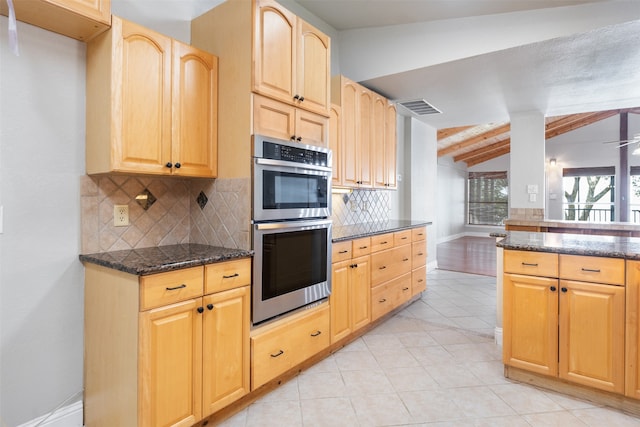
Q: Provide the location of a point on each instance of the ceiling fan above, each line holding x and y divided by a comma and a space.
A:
625, 142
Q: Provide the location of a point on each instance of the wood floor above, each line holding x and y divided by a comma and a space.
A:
475, 255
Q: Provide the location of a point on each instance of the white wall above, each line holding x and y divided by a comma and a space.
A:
42, 130
451, 195
421, 178
527, 160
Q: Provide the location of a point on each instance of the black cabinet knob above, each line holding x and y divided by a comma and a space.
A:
553, 288
178, 165
299, 139
297, 97
293, 137
210, 306
169, 165
563, 289
301, 98
200, 309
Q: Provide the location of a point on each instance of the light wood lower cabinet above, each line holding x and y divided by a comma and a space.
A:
159, 351
418, 260
562, 327
280, 346
350, 288
632, 332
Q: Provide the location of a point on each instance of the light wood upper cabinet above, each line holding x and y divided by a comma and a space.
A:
290, 58
78, 19
279, 120
368, 141
335, 144
151, 104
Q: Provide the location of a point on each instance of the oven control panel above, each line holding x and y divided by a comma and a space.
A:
288, 153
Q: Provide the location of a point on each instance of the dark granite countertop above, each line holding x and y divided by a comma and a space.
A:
365, 229
163, 258
573, 244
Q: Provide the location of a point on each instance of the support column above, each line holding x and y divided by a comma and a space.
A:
527, 165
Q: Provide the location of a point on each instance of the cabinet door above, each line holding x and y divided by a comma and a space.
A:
378, 152
632, 331
195, 100
99, 10
313, 69
274, 51
530, 323
339, 300
335, 143
170, 361
390, 146
311, 128
273, 118
592, 334
363, 141
141, 100
350, 154
360, 296
225, 348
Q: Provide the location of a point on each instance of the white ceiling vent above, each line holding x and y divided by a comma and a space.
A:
420, 107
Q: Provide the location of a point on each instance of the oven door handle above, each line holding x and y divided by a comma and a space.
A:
291, 224
270, 162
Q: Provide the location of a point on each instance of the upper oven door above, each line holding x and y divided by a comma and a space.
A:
282, 190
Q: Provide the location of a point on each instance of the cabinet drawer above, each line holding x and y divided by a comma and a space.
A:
401, 237
289, 343
390, 295
381, 242
170, 287
341, 251
419, 233
227, 275
389, 264
361, 247
531, 263
418, 254
419, 280
592, 269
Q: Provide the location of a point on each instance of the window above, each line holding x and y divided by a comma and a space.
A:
634, 200
589, 194
488, 198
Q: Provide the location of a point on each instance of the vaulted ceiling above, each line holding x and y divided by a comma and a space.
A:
477, 144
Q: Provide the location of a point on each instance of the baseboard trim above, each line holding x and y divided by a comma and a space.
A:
497, 333
67, 416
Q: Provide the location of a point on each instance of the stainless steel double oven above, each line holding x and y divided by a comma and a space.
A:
291, 226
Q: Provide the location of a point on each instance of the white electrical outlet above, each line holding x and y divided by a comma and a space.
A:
120, 215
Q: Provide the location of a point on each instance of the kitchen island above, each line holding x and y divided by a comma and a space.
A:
571, 306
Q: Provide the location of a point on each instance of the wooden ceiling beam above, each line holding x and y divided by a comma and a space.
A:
583, 121
488, 156
475, 139
482, 151
446, 133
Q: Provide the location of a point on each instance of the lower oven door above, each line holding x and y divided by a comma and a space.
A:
292, 266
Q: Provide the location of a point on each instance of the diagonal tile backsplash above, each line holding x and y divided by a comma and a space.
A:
174, 217
360, 206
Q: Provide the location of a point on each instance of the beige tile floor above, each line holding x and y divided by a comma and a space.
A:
433, 364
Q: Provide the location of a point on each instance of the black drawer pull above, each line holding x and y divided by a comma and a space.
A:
384, 243
590, 270
405, 289
177, 287
382, 268
363, 247
420, 280
405, 259
280, 353
316, 333
420, 254
403, 238
529, 264
343, 252
383, 300
229, 277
